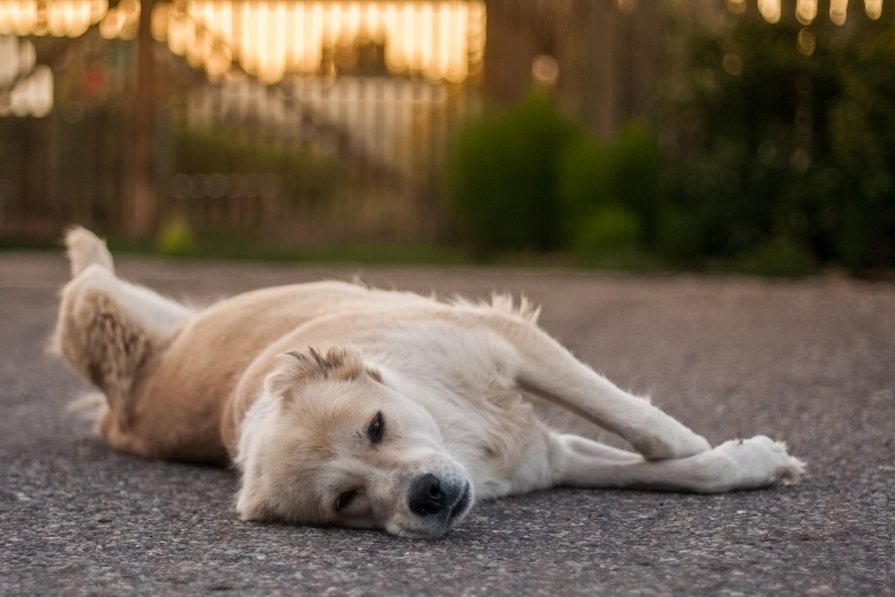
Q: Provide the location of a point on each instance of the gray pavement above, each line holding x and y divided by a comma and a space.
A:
811, 362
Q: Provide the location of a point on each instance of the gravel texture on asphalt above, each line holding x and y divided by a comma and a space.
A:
811, 362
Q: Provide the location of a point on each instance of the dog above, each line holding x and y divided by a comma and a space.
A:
351, 406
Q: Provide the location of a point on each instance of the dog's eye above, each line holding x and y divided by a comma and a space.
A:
376, 429
344, 500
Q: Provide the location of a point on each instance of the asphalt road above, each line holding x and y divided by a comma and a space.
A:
811, 362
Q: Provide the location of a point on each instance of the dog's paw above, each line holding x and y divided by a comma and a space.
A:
84, 249
667, 439
759, 462
691, 443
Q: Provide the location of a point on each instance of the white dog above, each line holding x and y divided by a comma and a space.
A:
344, 405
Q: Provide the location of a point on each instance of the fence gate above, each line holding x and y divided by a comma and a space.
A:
304, 122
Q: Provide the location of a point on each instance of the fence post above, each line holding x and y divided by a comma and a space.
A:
141, 211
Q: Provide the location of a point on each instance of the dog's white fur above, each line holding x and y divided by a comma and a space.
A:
359, 407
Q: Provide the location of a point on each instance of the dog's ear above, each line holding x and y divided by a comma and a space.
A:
299, 367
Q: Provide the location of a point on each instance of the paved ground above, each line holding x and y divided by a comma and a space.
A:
811, 362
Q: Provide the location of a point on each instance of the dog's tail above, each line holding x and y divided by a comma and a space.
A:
84, 249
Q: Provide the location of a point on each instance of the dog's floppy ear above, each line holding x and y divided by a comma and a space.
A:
299, 367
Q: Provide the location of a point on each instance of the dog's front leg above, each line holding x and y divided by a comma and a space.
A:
548, 370
737, 464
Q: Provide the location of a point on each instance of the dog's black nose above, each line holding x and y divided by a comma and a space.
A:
427, 497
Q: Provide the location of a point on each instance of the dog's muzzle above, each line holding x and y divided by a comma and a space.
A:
430, 496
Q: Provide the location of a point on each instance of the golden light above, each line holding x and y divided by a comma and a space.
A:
736, 6
838, 11
873, 8
122, 21
770, 10
626, 6
160, 18
59, 18
218, 62
545, 70
437, 40
806, 11
806, 42
175, 33
9, 56
15, 20
27, 57
732, 64
112, 25
32, 94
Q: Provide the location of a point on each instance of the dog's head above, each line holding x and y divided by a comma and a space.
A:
330, 444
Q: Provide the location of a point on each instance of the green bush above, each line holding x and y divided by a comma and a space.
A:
679, 236
779, 162
585, 180
606, 229
609, 191
637, 168
790, 152
502, 178
528, 179
176, 238
861, 221
776, 258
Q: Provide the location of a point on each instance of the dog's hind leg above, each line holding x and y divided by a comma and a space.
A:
90, 259
736, 464
107, 328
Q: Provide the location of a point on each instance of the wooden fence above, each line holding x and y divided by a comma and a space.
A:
305, 122
298, 121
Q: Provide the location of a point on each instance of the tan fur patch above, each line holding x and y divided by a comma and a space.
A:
99, 341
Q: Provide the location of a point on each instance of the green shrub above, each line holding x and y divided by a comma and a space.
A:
528, 179
791, 149
776, 258
176, 238
860, 221
636, 172
623, 171
679, 236
584, 179
606, 229
502, 178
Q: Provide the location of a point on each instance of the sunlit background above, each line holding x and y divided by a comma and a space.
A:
436, 40
327, 122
